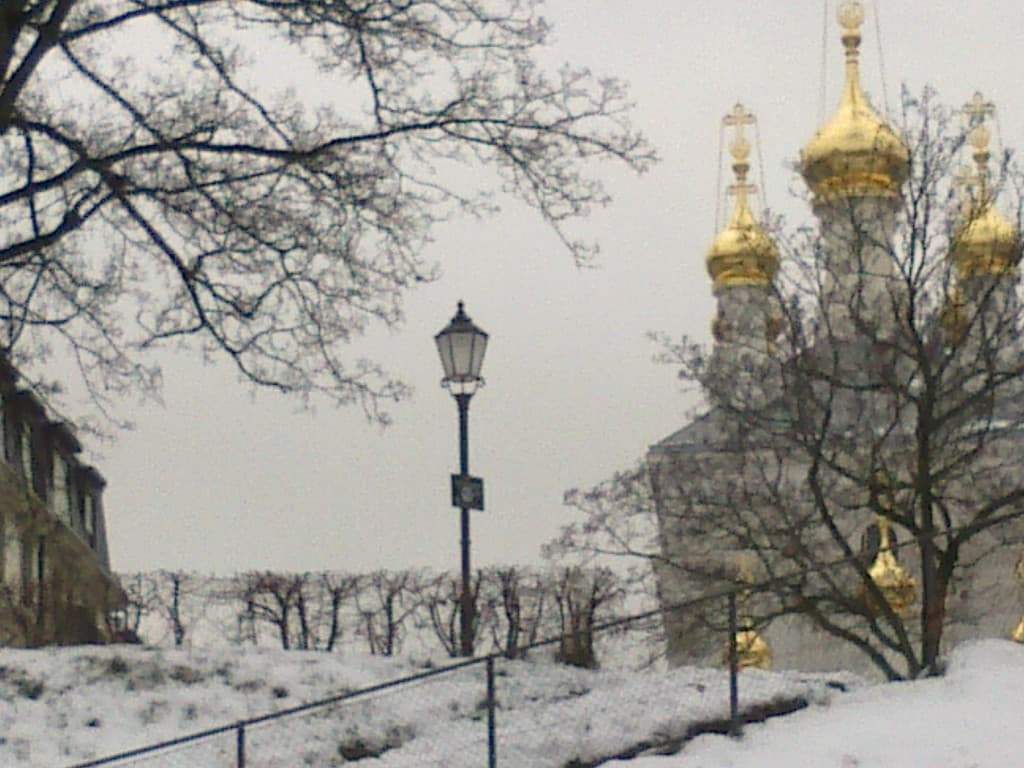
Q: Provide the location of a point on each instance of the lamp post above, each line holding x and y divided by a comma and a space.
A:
461, 346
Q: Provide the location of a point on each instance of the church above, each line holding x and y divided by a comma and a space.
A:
855, 472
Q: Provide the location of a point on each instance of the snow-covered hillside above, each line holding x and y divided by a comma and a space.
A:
59, 707
971, 718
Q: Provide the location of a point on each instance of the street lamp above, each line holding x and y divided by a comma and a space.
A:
461, 346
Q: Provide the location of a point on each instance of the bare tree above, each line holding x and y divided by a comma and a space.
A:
579, 595
334, 591
156, 188
180, 599
616, 527
441, 595
386, 603
517, 600
866, 455
277, 599
508, 604
141, 592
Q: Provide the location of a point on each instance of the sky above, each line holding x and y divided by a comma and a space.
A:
221, 479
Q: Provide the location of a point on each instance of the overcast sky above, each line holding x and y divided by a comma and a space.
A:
221, 480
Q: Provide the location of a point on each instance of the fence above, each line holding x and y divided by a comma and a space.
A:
373, 721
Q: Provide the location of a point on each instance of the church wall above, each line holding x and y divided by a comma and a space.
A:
985, 599
861, 286
744, 313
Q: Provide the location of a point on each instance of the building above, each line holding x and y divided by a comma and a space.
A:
858, 463
55, 579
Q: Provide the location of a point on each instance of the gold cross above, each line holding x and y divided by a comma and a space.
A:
740, 116
978, 110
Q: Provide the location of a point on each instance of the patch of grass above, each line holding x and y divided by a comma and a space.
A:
145, 676
142, 675
358, 747
31, 688
21, 684
185, 674
360, 750
154, 711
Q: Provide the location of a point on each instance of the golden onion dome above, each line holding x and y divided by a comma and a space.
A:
1017, 635
1018, 632
985, 242
986, 245
742, 253
752, 650
895, 583
855, 154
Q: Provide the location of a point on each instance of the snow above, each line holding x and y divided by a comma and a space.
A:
59, 707
970, 718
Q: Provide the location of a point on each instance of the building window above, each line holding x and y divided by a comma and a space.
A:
42, 465
81, 505
61, 499
25, 452
28, 568
89, 519
41, 581
12, 441
12, 558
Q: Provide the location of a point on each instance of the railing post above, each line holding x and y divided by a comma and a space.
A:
492, 745
734, 690
240, 745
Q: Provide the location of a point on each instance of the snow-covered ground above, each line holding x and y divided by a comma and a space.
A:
59, 707
971, 718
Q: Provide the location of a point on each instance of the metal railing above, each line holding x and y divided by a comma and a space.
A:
238, 744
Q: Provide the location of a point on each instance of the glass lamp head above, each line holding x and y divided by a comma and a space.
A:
461, 347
